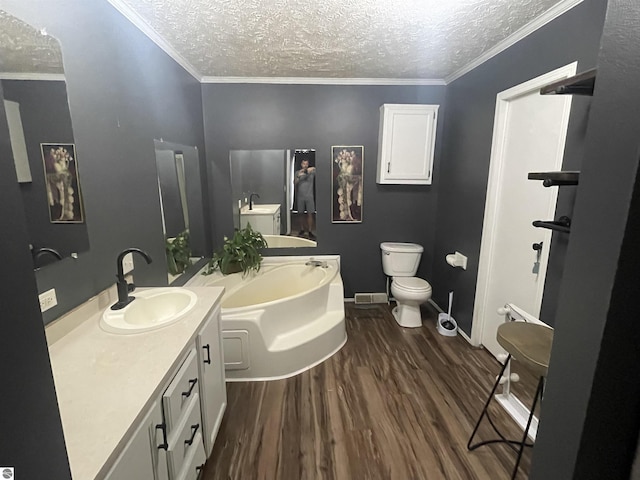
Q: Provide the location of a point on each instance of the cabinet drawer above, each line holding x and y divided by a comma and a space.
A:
186, 438
194, 461
180, 391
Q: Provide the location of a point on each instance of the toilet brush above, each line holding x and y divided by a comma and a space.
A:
448, 324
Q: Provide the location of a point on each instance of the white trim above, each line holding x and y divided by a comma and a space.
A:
325, 81
32, 76
537, 23
133, 16
517, 410
494, 188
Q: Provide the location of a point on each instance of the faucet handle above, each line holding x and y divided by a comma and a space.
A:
131, 287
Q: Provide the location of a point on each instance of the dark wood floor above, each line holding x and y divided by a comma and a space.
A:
392, 404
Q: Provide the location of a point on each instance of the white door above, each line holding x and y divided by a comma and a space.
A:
529, 136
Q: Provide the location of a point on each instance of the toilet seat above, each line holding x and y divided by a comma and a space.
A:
411, 284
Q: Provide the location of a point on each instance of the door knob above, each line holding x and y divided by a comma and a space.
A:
537, 246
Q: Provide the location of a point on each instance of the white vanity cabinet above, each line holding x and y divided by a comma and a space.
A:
406, 144
178, 432
213, 394
264, 218
141, 458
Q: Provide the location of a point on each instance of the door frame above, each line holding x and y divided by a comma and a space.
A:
494, 188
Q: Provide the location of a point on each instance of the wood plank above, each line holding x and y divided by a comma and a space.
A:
394, 403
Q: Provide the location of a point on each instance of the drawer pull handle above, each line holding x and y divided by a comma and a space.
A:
199, 469
208, 359
163, 427
194, 430
192, 382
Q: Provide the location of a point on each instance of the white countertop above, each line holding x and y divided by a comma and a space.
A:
105, 382
260, 209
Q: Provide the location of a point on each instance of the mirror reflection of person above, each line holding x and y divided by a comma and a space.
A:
303, 183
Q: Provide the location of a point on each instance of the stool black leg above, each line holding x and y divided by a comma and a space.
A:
523, 444
486, 405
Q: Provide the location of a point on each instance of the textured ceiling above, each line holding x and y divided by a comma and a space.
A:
412, 39
23, 49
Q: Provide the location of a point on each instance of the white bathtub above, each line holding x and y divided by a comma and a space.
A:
286, 241
282, 321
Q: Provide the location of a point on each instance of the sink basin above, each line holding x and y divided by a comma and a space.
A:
152, 309
258, 211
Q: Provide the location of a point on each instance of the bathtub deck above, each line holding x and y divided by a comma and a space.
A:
392, 404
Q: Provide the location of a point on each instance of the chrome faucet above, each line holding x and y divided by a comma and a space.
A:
251, 200
317, 263
125, 288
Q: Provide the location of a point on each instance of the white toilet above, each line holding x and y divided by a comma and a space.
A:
400, 261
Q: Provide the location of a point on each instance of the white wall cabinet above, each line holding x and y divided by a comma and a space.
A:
212, 387
177, 434
406, 144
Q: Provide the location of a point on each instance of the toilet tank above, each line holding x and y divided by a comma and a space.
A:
400, 259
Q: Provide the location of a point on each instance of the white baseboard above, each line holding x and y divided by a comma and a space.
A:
516, 410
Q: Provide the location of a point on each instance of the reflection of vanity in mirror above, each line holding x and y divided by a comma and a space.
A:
41, 136
274, 192
180, 191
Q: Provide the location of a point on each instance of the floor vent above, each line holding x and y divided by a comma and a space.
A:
369, 298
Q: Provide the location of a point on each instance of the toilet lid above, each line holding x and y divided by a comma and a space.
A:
411, 283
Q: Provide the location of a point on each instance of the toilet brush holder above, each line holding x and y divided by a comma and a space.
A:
447, 326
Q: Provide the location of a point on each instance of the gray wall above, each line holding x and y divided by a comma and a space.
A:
591, 410
123, 92
467, 149
30, 423
44, 110
251, 117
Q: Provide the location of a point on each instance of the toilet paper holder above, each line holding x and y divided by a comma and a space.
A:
457, 260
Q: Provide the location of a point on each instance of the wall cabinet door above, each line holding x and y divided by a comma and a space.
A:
213, 390
141, 458
406, 143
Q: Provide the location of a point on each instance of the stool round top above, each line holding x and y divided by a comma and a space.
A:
529, 343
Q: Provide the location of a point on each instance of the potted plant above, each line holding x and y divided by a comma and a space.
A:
178, 253
240, 253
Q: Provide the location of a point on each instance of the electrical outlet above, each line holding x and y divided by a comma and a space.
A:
48, 300
127, 263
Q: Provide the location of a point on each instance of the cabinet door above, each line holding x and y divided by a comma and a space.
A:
213, 390
407, 141
140, 459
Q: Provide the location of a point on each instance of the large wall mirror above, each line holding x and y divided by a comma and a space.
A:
181, 203
47, 166
274, 191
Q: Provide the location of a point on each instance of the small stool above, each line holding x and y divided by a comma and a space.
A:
530, 344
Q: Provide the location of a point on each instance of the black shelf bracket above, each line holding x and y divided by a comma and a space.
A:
552, 179
581, 84
563, 224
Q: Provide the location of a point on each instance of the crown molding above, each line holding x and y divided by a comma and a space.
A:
32, 76
325, 81
539, 22
154, 36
